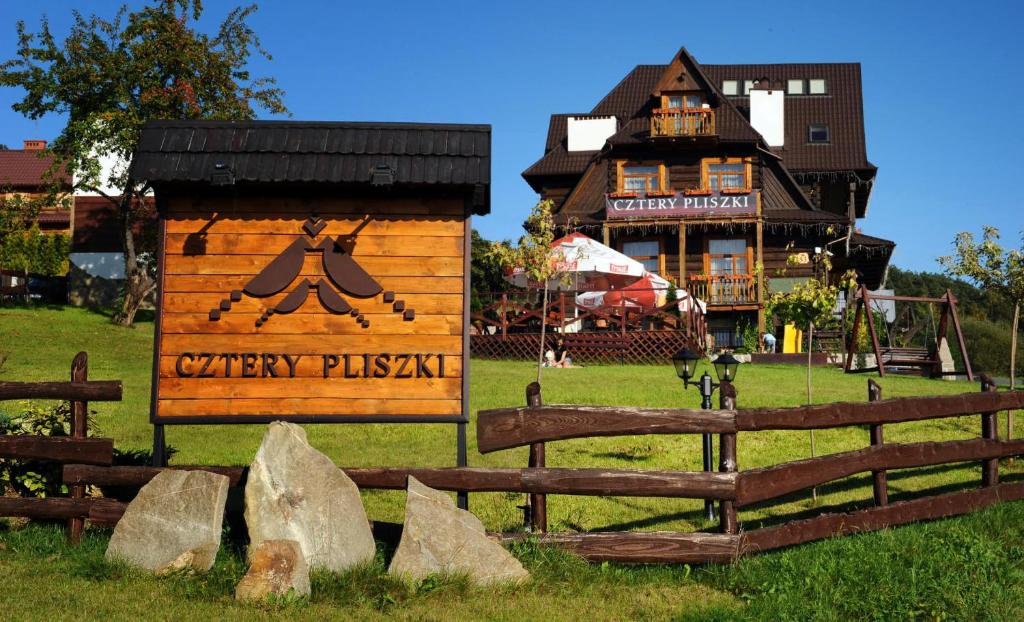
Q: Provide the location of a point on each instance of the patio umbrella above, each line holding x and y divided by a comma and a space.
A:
590, 264
649, 292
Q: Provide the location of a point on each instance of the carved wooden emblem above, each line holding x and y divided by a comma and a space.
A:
344, 276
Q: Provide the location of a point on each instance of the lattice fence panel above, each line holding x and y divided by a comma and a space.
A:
642, 347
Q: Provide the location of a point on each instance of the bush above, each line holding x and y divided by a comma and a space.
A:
988, 345
34, 478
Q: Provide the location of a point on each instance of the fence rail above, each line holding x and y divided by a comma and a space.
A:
74, 448
87, 462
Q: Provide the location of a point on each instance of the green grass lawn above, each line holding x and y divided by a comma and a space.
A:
908, 572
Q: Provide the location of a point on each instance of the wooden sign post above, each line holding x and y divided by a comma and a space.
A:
313, 272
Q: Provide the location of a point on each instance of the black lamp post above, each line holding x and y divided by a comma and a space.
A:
726, 365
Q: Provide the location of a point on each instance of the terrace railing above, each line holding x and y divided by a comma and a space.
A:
670, 122
724, 289
508, 327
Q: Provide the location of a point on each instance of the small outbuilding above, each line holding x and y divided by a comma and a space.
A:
313, 271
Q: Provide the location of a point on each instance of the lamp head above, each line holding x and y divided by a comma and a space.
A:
726, 366
685, 362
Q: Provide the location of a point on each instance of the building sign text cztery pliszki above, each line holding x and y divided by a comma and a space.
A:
681, 205
283, 365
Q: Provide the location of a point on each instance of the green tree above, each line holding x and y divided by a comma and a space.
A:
110, 76
810, 304
994, 269
23, 247
486, 273
533, 255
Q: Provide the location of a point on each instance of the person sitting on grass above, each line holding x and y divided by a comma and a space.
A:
562, 358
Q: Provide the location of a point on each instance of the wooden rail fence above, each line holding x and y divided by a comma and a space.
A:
88, 462
75, 448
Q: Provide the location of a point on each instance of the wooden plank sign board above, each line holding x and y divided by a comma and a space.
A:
311, 308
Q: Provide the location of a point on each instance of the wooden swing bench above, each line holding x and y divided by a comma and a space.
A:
908, 357
889, 357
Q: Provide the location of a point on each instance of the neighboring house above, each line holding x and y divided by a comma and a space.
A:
96, 261
705, 172
23, 172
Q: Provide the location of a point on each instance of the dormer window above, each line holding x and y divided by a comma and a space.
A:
680, 101
641, 178
817, 133
683, 114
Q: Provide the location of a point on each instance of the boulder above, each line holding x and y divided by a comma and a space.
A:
173, 523
277, 568
438, 537
294, 492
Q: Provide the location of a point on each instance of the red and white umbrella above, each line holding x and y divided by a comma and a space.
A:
650, 292
584, 263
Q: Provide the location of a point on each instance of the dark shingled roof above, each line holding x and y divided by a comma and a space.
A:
841, 110
315, 152
868, 241
25, 168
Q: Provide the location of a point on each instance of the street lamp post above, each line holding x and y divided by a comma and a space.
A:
726, 365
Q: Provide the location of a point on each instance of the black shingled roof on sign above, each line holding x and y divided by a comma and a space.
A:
315, 152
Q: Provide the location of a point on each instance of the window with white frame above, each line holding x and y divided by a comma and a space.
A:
730, 87
795, 87
817, 86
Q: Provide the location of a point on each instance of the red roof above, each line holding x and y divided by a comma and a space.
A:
25, 169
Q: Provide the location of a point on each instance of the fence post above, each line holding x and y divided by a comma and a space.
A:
561, 311
504, 315
727, 457
538, 502
881, 482
990, 467
79, 429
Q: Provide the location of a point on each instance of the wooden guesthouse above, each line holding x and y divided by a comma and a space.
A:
706, 172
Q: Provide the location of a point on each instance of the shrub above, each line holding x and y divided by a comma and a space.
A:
34, 478
988, 345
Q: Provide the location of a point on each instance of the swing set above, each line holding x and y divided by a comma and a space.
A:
904, 354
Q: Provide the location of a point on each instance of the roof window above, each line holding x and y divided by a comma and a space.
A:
817, 86
817, 133
730, 87
795, 87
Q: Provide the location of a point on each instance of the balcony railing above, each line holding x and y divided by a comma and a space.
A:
724, 289
683, 122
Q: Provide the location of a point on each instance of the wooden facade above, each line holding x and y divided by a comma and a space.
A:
415, 251
684, 144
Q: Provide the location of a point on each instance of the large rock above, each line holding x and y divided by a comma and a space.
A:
277, 568
174, 522
440, 538
294, 492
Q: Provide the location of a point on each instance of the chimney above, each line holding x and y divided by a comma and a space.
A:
589, 133
767, 114
34, 145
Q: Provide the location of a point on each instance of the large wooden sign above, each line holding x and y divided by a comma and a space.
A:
311, 309
681, 205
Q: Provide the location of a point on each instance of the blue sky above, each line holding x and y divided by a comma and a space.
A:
942, 83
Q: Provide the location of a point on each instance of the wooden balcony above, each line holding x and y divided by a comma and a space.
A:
682, 122
724, 289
